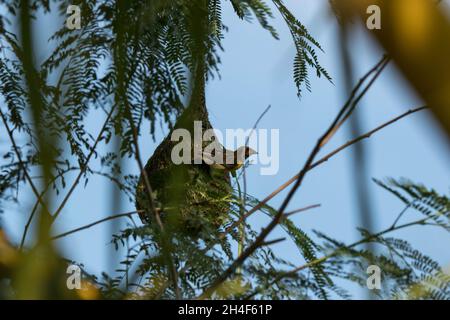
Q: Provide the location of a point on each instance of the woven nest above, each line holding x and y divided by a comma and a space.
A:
191, 198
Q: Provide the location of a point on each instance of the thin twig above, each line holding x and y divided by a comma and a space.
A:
241, 233
272, 242
84, 167
352, 102
327, 137
27, 225
317, 163
244, 177
278, 217
36, 204
288, 214
336, 252
321, 161
248, 140
120, 215
21, 164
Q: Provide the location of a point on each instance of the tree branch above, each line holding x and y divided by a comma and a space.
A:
342, 115
310, 264
33, 211
288, 214
315, 164
323, 160
116, 216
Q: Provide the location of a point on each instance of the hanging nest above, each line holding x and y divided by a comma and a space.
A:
191, 198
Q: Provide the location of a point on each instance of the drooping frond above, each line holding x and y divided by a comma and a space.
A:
305, 46
426, 201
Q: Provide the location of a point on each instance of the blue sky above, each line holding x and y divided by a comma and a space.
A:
256, 71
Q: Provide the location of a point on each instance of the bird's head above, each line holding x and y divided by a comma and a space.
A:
249, 152
244, 152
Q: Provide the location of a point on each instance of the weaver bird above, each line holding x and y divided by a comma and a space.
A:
230, 161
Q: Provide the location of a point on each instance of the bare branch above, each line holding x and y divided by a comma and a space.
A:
116, 216
244, 177
345, 110
318, 261
323, 160
315, 164
288, 214
34, 210
271, 242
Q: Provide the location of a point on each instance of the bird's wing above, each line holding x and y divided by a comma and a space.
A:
218, 155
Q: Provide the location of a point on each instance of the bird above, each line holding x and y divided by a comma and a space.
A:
221, 158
